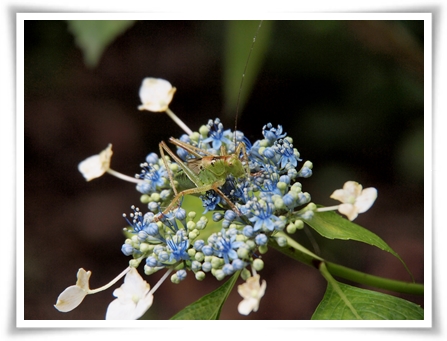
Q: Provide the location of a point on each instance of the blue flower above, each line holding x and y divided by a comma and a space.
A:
216, 134
263, 216
210, 200
272, 134
127, 249
178, 249
225, 247
152, 158
285, 149
155, 176
138, 223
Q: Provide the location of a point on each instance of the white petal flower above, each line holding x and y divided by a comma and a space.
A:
252, 292
96, 165
354, 199
71, 297
133, 298
156, 94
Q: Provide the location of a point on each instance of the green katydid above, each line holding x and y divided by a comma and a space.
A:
205, 172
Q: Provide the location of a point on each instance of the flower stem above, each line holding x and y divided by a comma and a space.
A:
123, 176
108, 285
375, 281
155, 287
329, 208
178, 121
303, 255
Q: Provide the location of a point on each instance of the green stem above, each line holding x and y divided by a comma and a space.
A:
375, 281
303, 255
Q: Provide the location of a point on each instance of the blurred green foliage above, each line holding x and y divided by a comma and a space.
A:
238, 55
93, 36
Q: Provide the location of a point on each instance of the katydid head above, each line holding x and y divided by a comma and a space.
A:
234, 166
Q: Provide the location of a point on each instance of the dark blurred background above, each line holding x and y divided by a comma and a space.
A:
350, 93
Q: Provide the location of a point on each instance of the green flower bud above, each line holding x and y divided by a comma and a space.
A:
282, 186
299, 224
291, 228
281, 241
296, 187
190, 225
245, 274
258, 264
155, 197
250, 244
145, 247
174, 279
200, 275
203, 130
195, 136
263, 143
311, 207
191, 252
263, 249
133, 263
241, 238
145, 199
149, 270
219, 274
200, 257
243, 253
217, 263
174, 167
279, 204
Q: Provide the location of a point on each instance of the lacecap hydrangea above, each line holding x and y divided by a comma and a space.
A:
263, 198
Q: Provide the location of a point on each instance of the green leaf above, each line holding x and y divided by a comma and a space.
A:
332, 226
93, 36
209, 306
239, 38
295, 250
369, 305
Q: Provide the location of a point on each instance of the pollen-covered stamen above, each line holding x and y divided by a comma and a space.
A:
137, 221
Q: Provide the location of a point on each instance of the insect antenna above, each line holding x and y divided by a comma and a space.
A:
242, 80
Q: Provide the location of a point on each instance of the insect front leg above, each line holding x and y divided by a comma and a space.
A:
163, 147
241, 148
